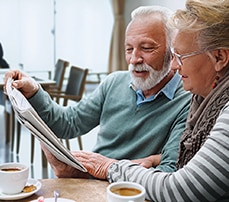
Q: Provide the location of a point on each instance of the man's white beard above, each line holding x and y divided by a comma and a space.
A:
152, 80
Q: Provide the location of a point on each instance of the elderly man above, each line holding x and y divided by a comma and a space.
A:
141, 112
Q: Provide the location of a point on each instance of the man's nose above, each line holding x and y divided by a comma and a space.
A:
136, 58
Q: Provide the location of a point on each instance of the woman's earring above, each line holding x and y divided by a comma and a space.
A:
215, 82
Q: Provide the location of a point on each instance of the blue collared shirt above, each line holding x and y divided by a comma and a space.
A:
168, 90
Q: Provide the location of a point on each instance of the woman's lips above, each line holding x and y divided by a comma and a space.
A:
184, 77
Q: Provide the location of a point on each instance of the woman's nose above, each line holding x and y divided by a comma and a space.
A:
174, 64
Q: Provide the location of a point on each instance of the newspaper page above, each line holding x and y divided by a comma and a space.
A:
28, 117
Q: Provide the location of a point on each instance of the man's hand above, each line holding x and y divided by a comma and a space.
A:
22, 82
61, 169
96, 164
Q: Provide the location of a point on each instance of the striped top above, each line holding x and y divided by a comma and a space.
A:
204, 178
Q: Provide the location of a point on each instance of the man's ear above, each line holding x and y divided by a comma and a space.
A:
221, 58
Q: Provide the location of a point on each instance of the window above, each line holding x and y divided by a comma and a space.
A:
83, 31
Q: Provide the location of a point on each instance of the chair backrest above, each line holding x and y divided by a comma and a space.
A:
76, 81
59, 72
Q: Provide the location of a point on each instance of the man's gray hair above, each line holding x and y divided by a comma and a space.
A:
165, 14
150, 11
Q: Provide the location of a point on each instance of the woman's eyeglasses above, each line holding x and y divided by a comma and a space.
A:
180, 57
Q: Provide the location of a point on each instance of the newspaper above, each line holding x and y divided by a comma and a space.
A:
28, 117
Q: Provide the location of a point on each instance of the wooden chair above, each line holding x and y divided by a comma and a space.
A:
60, 69
9, 122
74, 91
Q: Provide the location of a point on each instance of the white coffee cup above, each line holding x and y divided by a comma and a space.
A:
13, 177
125, 192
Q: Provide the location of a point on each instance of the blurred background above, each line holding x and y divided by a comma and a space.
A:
35, 33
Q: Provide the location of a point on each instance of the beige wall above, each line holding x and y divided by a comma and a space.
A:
83, 31
132, 4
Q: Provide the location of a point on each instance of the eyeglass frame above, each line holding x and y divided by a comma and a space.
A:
180, 57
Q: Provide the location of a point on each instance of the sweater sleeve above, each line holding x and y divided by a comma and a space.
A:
204, 178
68, 122
170, 149
72, 120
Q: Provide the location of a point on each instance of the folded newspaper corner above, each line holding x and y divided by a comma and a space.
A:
28, 117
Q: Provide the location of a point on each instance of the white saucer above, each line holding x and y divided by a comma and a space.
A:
59, 200
22, 195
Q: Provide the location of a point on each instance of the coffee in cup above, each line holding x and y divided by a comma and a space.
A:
13, 177
125, 192
13, 169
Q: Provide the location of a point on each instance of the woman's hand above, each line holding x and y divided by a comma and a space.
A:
22, 82
150, 161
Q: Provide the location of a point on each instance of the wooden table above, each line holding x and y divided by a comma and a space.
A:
80, 190
45, 83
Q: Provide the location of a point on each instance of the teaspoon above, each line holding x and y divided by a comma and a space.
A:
56, 195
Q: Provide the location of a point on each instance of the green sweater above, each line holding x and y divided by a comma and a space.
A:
127, 131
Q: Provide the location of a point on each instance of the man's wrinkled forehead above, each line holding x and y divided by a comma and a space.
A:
146, 29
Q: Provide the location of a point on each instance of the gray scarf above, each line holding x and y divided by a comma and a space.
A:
201, 119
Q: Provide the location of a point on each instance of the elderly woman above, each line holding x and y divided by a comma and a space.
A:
201, 56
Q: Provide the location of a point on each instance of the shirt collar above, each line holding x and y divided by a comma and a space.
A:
168, 90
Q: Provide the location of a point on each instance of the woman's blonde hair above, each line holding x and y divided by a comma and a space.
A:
210, 18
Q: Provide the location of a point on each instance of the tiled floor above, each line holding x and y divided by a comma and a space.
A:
36, 171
